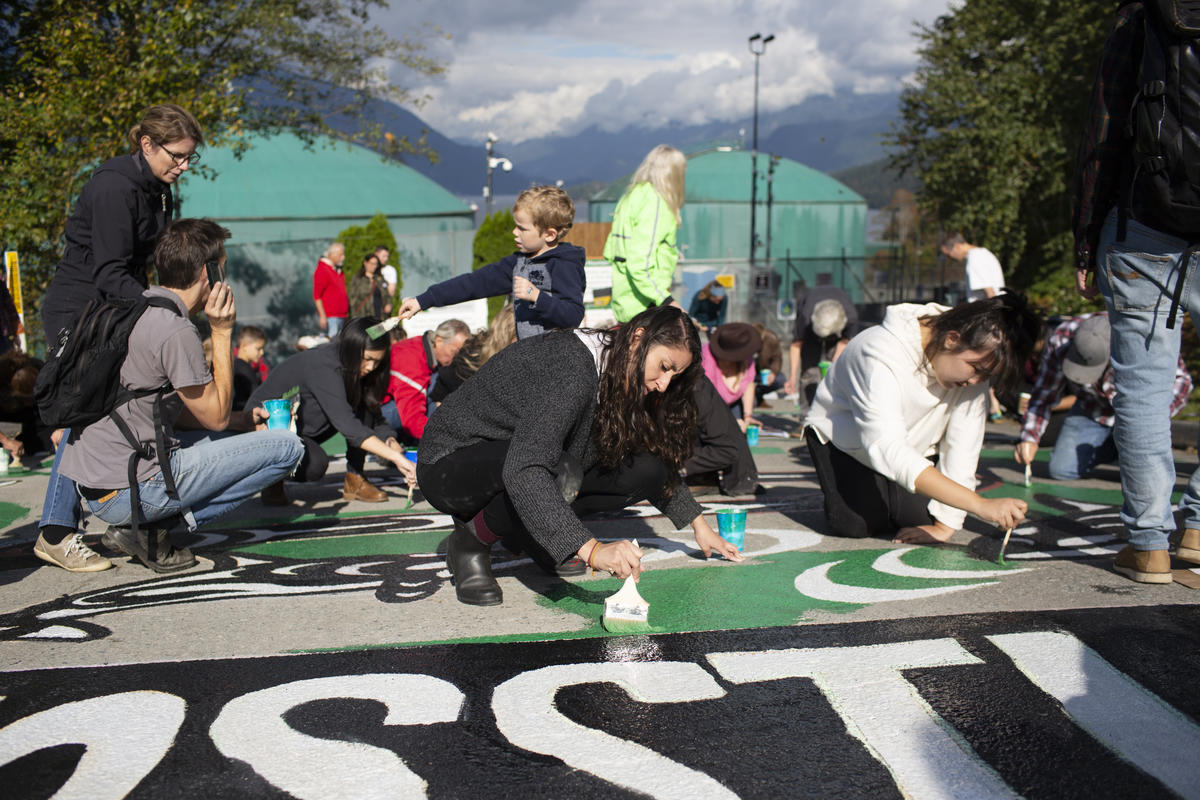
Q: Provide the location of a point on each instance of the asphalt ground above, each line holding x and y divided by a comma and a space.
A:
318, 651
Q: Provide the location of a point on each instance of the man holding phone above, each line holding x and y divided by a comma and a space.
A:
213, 474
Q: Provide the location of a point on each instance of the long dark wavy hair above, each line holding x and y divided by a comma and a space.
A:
367, 391
628, 419
1003, 326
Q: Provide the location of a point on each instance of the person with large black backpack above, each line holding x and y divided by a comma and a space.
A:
109, 237
1137, 236
130, 469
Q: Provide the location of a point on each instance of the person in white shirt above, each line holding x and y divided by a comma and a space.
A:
985, 278
896, 427
390, 276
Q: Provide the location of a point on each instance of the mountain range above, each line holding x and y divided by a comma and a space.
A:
827, 133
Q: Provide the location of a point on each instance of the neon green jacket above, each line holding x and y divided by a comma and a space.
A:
641, 249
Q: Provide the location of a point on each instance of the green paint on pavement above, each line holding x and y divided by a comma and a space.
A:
763, 450
10, 513
335, 445
355, 546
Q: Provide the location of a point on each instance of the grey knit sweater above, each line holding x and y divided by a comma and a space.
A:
539, 394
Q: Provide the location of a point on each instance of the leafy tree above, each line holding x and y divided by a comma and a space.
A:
494, 241
991, 124
363, 239
75, 77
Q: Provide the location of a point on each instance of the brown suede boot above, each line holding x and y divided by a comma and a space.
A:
1144, 566
357, 487
274, 495
1189, 546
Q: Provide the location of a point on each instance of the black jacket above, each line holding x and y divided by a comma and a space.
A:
110, 238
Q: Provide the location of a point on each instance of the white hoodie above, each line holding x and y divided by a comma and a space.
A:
881, 404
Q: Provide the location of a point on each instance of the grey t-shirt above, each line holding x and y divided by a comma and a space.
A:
163, 346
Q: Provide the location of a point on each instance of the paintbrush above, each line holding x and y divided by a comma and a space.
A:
385, 327
408, 505
1028, 475
1004, 544
626, 611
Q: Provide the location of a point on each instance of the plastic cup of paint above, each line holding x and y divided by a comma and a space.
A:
752, 435
731, 523
824, 365
411, 454
280, 412
764, 377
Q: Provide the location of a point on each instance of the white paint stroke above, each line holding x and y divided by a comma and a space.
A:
356, 570
1086, 552
815, 583
883, 710
251, 728
56, 632
1085, 541
124, 737
891, 563
525, 713
1117, 711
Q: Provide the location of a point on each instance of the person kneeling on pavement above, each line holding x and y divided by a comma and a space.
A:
211, 476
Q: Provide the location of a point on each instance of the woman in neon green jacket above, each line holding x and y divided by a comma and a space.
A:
641, 247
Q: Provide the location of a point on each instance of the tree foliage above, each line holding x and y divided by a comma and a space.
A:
75, 76
493, 241
991, 124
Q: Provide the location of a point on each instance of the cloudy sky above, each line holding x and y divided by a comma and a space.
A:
526, 68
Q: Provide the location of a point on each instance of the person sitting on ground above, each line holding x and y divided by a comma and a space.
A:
906, 393
826, 321
339, 385
366, 292
18, 374
413, 362
708, 307
475, 352
545, 276
213, 475
728, 361
564, 424
246, 373
1076, 354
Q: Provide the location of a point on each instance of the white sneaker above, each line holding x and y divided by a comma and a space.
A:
71, 554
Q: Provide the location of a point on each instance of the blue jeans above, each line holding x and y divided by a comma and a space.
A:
61, 506
213, 476
1137, 277
1081, 444
334, 326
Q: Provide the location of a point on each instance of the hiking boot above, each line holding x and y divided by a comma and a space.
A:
274, 495
165, 556
1189, 546
470, 562
357, 487
1144, 566
71, 554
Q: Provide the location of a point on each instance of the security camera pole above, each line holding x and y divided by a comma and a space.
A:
762, 47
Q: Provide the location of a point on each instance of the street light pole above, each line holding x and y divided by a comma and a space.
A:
493, 161
762, 47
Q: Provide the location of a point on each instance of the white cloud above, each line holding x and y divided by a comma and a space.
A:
530, 69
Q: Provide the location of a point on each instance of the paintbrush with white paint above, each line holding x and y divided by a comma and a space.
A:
626, 611
1028, 475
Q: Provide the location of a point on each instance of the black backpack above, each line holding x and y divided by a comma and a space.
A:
1163, 186
81, 380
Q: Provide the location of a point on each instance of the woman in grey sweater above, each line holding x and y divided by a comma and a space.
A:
560, 424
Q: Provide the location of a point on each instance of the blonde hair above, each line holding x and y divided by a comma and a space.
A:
548, 207
164, 124
664, 168
485, 344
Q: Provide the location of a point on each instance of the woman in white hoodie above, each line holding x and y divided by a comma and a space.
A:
896, 427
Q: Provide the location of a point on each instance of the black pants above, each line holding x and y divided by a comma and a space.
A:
859, 502
315, 461
721, 443
470, 480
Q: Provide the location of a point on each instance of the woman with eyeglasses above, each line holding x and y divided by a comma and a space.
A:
110, 237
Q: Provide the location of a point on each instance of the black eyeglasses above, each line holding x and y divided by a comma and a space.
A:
190, 158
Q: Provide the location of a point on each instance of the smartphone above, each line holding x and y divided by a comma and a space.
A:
215, 272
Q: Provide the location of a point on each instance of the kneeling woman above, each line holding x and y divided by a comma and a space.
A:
340, 385
904, 395
565, 423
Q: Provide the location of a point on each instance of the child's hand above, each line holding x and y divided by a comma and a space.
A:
524, 290
408, 308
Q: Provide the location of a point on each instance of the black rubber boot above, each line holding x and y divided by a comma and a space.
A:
470, 562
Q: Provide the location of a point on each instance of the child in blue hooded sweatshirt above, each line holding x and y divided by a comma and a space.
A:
545, 276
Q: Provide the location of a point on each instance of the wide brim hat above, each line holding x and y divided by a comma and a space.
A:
1087, 357
735, 341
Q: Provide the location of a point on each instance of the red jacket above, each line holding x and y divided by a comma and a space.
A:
412, 368
329, 286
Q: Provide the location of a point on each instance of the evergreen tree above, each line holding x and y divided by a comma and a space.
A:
494, 241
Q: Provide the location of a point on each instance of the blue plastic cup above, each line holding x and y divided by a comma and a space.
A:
731, 524
411, 454
752, 435
764, 377
280, 412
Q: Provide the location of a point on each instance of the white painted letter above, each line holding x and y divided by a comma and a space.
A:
125, 736
251, 729
1130, 721
883, 710
526, 714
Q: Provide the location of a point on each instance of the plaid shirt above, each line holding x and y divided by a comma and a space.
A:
1104, 146
1095, 400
